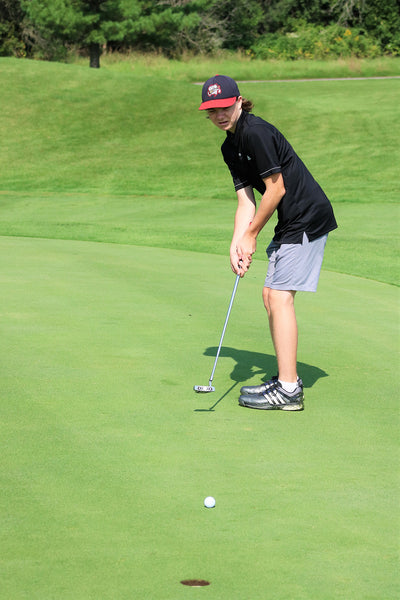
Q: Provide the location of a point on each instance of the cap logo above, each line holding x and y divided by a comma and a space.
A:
214, 90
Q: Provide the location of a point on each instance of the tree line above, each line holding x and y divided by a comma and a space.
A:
288, 29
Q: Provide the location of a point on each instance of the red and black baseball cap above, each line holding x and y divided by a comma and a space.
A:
219, 91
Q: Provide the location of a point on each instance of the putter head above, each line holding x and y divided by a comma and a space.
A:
203, 389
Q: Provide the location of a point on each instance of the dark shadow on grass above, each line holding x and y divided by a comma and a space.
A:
248, 364
211, 409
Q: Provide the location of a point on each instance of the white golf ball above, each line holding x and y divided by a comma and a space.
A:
209, 502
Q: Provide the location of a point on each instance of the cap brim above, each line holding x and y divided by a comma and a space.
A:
220, 103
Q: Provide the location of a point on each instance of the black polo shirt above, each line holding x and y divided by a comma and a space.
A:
257, 150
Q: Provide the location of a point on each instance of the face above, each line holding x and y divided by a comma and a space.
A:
226, 118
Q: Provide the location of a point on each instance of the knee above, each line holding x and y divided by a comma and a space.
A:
277, 299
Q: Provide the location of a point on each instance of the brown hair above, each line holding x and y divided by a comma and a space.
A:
247, 105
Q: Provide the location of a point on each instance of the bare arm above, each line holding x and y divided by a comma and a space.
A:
246, 209
246, 245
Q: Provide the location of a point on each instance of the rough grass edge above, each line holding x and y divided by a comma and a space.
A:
240, 65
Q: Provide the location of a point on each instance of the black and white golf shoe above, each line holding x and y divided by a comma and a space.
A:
263, 387
259, 389
275, 398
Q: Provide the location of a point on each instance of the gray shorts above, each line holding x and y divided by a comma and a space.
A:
295, 266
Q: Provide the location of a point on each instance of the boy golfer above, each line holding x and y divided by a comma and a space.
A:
260, 158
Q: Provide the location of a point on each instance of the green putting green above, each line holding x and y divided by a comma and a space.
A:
108, 453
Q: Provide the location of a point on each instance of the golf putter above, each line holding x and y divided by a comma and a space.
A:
210, 388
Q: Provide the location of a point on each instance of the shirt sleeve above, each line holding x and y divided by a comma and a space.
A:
262, 146
238, 181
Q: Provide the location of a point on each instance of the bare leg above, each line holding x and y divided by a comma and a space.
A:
283, 328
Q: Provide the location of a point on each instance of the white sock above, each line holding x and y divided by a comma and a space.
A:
287, 386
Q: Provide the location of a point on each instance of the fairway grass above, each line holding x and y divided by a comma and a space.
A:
68, 130
108, 155
369, 249
110, 453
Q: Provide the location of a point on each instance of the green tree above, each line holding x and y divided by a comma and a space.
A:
88, 23
49, 27
374, 19
381, 20
279, 14
239, 20
11, 28
177, 25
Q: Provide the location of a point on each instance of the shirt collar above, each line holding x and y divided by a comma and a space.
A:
235, 137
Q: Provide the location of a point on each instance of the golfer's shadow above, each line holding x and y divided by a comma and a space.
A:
248, 364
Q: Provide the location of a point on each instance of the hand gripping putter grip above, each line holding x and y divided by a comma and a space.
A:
209, 388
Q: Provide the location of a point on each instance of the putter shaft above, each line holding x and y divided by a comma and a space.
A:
224, 329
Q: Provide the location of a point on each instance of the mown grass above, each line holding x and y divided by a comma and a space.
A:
74, 129
114, 155
109, 453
